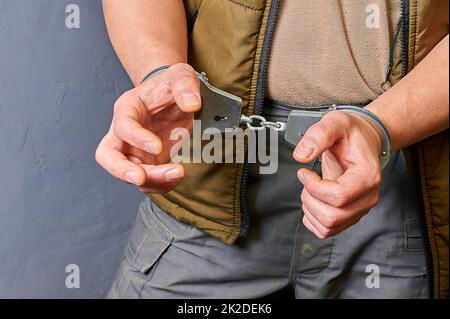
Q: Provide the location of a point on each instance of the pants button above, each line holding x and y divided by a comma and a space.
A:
307, 250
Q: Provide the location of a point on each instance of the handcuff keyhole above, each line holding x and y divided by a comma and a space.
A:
219, 118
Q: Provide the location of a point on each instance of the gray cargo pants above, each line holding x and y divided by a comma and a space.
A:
383, 256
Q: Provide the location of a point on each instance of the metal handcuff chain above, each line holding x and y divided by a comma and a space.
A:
258, 122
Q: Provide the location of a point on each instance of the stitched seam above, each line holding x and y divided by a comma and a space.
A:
245, 5
164, 230
152, 272
134, 254
294, 251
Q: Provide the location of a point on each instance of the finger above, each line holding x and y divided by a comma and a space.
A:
321, 136
331, 168
131, 132
134, 159
186, 90
311, 228
321, 231
164, 176
156, 93
332, 217
344, 190
326, 232
118, 165
126, 124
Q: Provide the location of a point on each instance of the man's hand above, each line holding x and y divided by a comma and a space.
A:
136, 148
350, 149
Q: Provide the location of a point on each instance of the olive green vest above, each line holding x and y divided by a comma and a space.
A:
230, 41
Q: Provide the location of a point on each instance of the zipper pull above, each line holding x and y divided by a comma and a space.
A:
385, 86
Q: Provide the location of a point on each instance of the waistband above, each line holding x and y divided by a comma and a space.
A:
281, 109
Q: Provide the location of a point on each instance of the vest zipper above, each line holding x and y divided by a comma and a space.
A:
259, 104
405, 12
405, 36
387, 84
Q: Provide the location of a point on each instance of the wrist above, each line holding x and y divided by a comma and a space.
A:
384, 109
143, 69
373, 135
155, 71
378, 126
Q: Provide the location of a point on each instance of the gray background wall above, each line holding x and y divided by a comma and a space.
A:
57, 207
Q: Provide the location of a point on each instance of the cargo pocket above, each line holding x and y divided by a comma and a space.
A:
147, 243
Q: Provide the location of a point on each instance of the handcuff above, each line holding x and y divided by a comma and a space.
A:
222, 111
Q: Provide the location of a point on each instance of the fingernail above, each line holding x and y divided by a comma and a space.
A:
132, 177
300, 175
304, 151
173, 174
151, 147
190, 99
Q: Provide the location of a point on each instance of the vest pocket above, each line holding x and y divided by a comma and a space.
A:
147, 243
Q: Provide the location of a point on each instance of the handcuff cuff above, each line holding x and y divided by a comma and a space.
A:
222, 111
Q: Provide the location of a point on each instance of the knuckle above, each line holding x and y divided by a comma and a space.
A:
327, 232
340, 198
125, 130
121, 101
344, 119
117, 105
159, 87
164, 88
99, 155
185, 81
321, 131
117, 127
321, 235
329, 222
303, 196
375, 199
376, 181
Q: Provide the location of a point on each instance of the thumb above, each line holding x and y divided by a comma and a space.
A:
318, 138
186, 90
